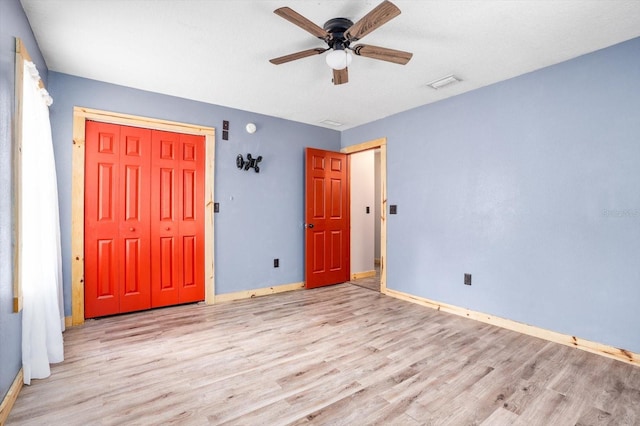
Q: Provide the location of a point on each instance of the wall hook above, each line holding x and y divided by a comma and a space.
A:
250, 163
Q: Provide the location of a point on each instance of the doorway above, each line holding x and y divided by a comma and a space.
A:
144, 227
378, 145
370, 271
80, 116
365, 212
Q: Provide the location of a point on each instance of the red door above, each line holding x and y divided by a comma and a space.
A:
116, 219
191, 214
327, 218
144, 219
177, 223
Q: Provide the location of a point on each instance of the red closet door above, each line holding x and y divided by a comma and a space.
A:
135, 210
117, 211
177, 222
191, 213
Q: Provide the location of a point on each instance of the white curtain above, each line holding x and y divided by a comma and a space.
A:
40, 257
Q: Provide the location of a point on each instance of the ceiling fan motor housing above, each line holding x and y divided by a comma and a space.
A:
336, 27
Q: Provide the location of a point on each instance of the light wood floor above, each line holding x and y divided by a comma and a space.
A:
341, 355
372, 283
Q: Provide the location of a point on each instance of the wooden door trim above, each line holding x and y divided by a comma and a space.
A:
380, 143
80, 116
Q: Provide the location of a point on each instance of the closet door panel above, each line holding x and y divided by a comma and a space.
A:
192, 218
135, 238
166, 192
101, 216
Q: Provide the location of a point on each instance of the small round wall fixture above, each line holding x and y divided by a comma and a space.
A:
251, 128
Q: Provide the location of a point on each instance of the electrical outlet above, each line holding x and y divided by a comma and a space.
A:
393, 209
467, 279
276, 263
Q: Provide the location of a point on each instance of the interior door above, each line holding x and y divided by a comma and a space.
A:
191, 211
144, 219
116, 219
134, 220
177, 223
326, 218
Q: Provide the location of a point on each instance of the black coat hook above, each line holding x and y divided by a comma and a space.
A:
250, 163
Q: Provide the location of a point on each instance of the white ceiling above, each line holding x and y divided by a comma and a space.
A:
217, 51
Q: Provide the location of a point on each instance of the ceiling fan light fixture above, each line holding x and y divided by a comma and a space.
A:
339, 33
444, 81
339, 59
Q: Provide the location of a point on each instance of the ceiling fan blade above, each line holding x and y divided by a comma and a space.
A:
299, 20
297, 55
382, 53
379, 16
340, 76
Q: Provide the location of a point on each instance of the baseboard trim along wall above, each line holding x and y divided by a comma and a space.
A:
247, 294
365, 274
552, 336
10, 397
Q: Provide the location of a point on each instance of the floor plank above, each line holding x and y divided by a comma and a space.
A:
337, 355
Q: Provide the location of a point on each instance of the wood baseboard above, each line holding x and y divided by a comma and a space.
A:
10, 397
365, 274
247, 294
552, 336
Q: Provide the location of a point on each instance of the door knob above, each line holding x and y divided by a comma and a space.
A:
311, 225
132, 229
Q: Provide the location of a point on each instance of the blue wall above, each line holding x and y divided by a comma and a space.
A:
13, 23
261, 215
532, 186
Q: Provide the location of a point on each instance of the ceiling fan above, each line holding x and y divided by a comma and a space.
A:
339, 33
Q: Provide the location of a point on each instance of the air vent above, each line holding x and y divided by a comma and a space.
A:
444, 81
332, 123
